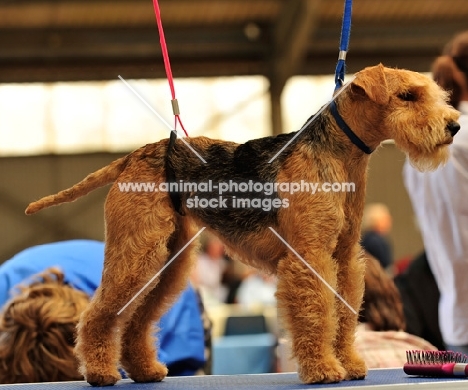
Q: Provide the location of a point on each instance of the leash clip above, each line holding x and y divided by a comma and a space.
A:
175, 107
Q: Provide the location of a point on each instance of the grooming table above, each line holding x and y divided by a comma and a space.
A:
387, 379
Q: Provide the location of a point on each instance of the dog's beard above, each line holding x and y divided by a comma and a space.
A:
425, 162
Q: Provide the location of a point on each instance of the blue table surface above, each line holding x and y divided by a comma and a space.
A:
380, 378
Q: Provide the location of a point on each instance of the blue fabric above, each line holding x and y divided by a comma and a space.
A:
181, 328
81, 261
344, 43
181, 336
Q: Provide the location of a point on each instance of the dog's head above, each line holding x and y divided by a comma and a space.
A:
409, 108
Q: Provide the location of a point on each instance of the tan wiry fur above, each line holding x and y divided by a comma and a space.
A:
143, 230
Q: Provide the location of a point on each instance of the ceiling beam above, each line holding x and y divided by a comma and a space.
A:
291, 38
48, 55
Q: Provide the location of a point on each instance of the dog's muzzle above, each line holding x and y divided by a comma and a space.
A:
453, 127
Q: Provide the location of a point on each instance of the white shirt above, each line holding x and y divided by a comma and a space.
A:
440, 202
256, 290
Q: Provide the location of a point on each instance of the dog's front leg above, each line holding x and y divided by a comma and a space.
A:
351, 270
307, 306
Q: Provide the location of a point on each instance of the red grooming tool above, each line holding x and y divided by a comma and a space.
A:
436, 364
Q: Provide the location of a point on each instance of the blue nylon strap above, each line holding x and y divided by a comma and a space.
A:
347, 130
344, 43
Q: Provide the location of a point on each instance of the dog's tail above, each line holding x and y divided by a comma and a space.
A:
94, 180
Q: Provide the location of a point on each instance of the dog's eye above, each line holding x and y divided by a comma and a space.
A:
407, 96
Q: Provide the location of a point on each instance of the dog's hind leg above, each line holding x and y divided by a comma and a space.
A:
138, 341
138, 231
351, 272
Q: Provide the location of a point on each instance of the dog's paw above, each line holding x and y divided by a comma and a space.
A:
102, 380
328, 370
156, 373
355, 367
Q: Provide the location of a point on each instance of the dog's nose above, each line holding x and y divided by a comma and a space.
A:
453, 127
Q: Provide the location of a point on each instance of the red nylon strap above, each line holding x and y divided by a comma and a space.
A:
167, 63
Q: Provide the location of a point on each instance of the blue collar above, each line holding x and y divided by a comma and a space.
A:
347, 130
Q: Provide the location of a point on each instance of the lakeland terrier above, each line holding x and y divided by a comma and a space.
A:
286, 233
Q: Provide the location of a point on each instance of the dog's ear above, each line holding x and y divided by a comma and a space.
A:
371, 82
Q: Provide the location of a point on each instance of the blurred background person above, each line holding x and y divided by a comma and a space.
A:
376, 226
209, 269
37, 331
233, 276
439, 202
257, 290
420, 297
